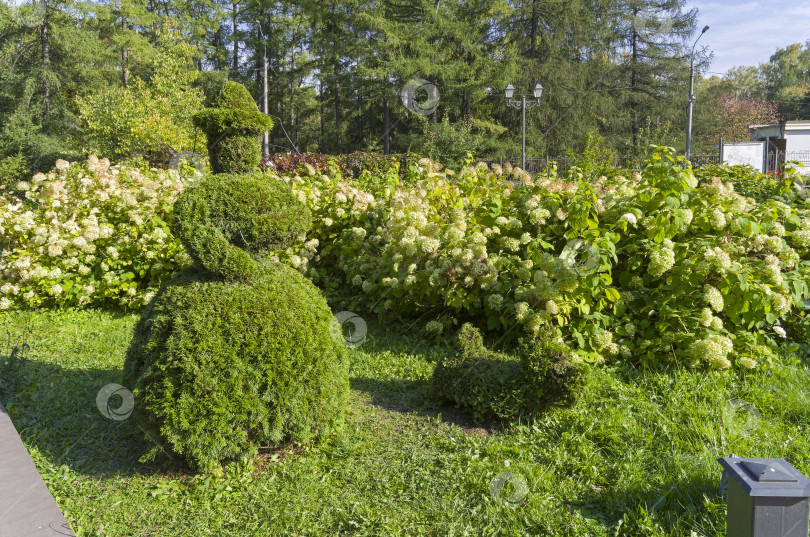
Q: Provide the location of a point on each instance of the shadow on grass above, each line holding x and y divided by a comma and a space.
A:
55, 413
413, 397
647, 508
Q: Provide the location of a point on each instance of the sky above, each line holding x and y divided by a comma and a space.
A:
747, 33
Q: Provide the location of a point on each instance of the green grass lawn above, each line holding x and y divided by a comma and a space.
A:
636, 456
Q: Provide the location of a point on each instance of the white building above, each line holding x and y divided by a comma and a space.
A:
789, 140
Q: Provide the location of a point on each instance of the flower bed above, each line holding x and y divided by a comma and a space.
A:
651, 267
89, 234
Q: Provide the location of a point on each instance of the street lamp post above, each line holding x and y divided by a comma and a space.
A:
523, 104
692, 95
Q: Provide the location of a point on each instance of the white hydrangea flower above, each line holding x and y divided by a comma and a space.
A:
706, 317
434, 327
712, 350
521, 310
780, 331
511, 244
713, 297
661, 261
495, 302
539, 216
629, 217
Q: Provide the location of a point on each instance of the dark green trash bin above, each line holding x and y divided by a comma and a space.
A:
766, 498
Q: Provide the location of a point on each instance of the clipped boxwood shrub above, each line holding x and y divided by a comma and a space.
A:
552, 377
232, 127
219, 368
237, 351
505, 386
227, 222
488, 383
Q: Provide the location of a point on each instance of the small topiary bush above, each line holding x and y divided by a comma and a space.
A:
506, 386
237, 351
552, 377
219, 368
232, 128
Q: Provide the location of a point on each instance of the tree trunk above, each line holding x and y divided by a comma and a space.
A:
386, 126
293, 134
533, 29
633, 85
323, 130
124, 51
235, 62
46, 81
434, 116
338, 118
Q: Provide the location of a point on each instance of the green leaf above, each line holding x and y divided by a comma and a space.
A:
612, 294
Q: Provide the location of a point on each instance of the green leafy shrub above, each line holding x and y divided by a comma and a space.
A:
149, 119
753, 184
89, 234
219, 368
12, 169
351, 165
505, 385
232, 127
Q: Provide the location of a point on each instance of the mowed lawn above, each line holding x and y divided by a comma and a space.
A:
636, 456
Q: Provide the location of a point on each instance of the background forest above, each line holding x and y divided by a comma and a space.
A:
122, 78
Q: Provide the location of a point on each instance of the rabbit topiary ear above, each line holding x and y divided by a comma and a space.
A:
470, 342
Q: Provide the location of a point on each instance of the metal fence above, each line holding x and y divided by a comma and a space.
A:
776, 159
537, 165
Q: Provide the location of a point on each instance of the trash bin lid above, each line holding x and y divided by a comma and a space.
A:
767, 477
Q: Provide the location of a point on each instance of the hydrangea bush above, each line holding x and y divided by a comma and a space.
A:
649, 267
88, 234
